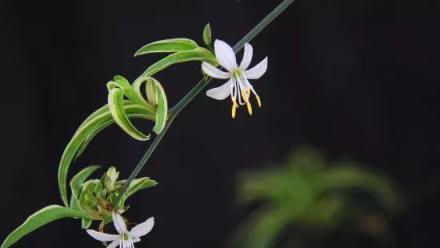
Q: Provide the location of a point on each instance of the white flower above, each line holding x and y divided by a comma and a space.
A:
237, 86
125, 238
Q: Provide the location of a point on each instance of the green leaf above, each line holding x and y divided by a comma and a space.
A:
79, 179
140, 184
167, 46
151, 90
88, 139
87, 201
86, 223
157, 97
116, 106
39, 219
135, 186
123, 84
162, 108
74, 203
207, 35
197, 54
137, 89
95, 123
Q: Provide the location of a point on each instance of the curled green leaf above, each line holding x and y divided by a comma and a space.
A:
137, 85
88, 201
116, 107
122, 82
156, 97
167, 46
77, 181
151, 90
95, 123
162, 108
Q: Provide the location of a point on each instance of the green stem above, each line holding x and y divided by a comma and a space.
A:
198, 88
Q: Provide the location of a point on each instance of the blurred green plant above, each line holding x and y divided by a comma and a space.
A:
307, 197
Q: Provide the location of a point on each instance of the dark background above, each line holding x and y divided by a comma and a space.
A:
356, 79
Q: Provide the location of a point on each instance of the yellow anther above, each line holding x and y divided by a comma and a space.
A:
234, 108
234, 111
249, 107
258, 100
245, 96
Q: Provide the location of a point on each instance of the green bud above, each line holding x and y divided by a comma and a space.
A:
110, 178
207, 35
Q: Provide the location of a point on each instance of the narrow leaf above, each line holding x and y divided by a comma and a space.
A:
197, 54
74, 203
148, 108
39, 219
136, 185
86, 223
116, 105
129, 92
137, 85
122, 82
88, 139
139, 184
162, 108
78, 180
96, 122
151, 92
167, 46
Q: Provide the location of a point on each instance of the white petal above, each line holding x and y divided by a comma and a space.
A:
113, 244
221, 92
245, 82
102, 236
119, 222
225, 55
214, 72
257, 71
142, 229
247, 56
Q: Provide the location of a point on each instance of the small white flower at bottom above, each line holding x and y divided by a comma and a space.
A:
125, 238
238, 85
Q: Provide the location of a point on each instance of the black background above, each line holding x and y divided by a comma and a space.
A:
356, 79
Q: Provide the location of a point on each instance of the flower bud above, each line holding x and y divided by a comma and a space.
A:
109, 179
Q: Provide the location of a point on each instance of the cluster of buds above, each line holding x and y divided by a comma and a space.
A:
99, 198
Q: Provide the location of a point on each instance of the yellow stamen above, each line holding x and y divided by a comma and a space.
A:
258, 100
245, 96
249, 107
234, 108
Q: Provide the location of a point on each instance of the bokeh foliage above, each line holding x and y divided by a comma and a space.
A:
306, 197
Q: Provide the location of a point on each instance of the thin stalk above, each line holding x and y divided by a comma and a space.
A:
198, 88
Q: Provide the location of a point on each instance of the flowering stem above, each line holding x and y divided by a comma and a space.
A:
198, 88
